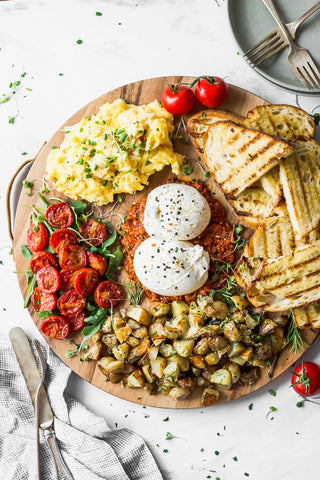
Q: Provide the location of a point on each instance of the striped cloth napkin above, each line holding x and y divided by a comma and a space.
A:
89, 447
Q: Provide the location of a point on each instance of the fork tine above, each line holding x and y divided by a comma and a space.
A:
301, 76
262, 42
313, 72
269, 52
263, 47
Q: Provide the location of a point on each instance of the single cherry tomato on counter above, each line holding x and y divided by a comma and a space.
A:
96, 261
72, 257
66, 279
77, 321
70, 303
177, 99
95, 232
42, 301
48, 279
107, 294
85, 281
211, 91
55, 327
37, 237
62, 237
60, 215
306, 379
42, 259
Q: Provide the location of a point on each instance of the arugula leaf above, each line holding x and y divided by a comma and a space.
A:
94, 323
31, 284
78, 207
26, 252
110, 240
114, 261
44, 314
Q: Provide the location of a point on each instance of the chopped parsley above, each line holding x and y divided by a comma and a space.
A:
79, 42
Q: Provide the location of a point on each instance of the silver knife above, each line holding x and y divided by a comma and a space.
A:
32, 377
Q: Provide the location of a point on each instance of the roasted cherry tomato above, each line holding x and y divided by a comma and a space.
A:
85, 281
95, 232
72, 257
177, 99
42, 301
70, 303
96, 261
60, 215
48, 279
62, 237
107, 294
211, 91
306, 379
42, 259
66, 279
77, 321
56, 327
37, 237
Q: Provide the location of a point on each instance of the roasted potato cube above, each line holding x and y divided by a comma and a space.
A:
121, 351
231, 332
157, 331
165, 385
193, 331
250, 377
221, 377
172, 370
276, 339
195, 319
202, 347
110, 340
179, 393
149, 387
97, 336
115, 377
136, 379
244, 357
115, 366
107, 326
103, 363
252, 322
194, 309
203, 302
117, 323
212, 358
196, 371
140, 333
149, 375
268, 326
159, 309
218, 343
153, 352
183, 347
221, 310
256, 362
177, 327
209, 395
240, 302
209, 331
179, 308
236, 350
140, 315
158, 365
132, 341
133, 324
208, 372
123, 333
186, 382
264, 351
139, 350
95, 351
198, 361
183, 362
167, 350
235, 371
202, 382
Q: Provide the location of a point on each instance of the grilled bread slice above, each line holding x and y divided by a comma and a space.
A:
284, 121
291, 281
253, 205
307, 317
300, 177
237, 156
271, 184
199, 123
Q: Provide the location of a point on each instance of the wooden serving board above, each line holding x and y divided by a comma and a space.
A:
239, 101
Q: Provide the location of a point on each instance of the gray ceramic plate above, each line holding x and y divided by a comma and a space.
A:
251, 21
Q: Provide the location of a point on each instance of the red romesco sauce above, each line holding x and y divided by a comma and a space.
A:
216, 239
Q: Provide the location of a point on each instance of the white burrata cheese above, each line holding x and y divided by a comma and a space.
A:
170, 267
176, 211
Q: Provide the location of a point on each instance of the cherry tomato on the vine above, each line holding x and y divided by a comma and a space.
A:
211, 91
178, 99
306, 379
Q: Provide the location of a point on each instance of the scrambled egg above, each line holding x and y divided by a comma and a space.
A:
115, 151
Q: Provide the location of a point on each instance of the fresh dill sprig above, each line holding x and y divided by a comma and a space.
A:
293, 337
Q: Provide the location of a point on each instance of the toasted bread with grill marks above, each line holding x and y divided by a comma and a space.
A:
199, 123
284, 121
300, 178
271, 184
307, 317
290, 281
237, 156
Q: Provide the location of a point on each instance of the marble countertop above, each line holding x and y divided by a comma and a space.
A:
132, 40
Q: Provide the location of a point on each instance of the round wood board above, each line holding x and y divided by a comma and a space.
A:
239, 101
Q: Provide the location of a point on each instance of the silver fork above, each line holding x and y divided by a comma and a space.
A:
43, 368
274, 42
299, 58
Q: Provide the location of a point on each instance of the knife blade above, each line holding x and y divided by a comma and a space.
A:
32, 377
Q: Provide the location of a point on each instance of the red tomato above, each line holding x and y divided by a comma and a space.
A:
306, 379
70, 303
66, 279
48, 279
60, 215
85, 281
177, 99
107, 294
95, 232
55, 327
62, 237
42, 259
77, 321
42, 301
72, 257
37, 237
211, 91
96, 261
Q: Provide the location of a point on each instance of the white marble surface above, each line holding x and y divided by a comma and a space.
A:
135, 39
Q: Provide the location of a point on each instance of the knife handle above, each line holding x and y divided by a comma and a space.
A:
62, 469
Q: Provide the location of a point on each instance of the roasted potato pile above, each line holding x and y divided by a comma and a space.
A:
176, 347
